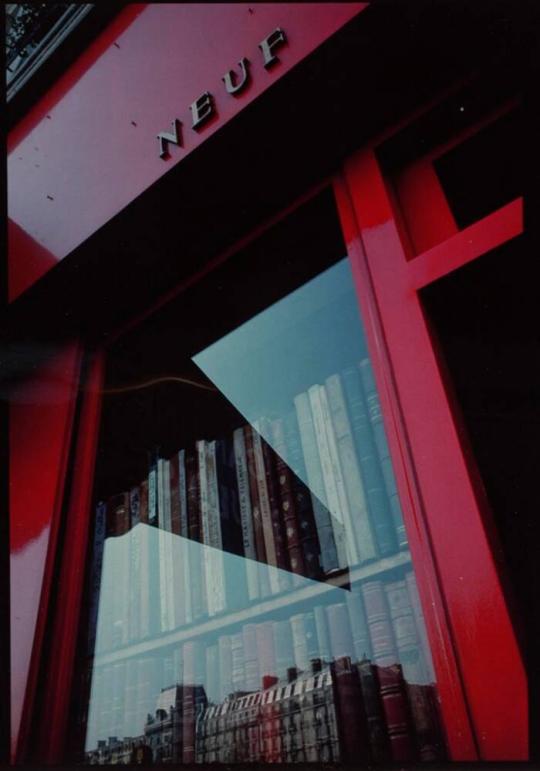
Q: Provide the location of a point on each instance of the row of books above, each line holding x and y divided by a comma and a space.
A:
307, 495
379, 622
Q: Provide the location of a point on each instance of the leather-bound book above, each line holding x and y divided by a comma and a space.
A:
197, 578
258, 533
377, 732
286, 500
390, 676
352, 725
415, 673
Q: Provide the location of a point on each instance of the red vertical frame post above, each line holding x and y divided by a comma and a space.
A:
483, 638
41, 416
51, 732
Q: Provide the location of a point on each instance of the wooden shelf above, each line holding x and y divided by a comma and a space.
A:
311, 591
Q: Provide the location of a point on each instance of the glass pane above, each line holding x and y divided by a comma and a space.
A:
251, 593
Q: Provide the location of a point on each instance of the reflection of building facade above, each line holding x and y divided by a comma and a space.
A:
338, 711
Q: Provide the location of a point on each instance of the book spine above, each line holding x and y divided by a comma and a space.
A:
149, 586
214, 530
263, 572
153, 491
198, 589
119, 557
231, 526
249, 635
337, 476
359, 528
333, 495
389, 673
331, 536
321, 624
414, 597
283, 646
208, 571
96, 573
238, 674
212, 673
315, 538
354, 739
174, 472
285, 492
378, 737
282, 560
244, 501
381, 444
414, 671
225, 666
379, 507
264, 503
166, 583
301, 658
188, 704
341, 642
266, 654
359, 627
134, 613
184, 532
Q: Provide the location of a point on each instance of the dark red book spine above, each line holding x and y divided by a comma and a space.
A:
282, 558
254, 495
378, 737
198, 587
352, 724
143, 501
391, 684
285, 491
118, 514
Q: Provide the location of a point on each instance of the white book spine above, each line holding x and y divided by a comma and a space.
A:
163, 590
203, 494
144, 593
335, 497
184, 534
171, 583
362, 533
216, 540
248, 536
309, 447
266, 514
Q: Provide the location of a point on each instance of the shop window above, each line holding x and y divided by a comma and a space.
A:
248, 537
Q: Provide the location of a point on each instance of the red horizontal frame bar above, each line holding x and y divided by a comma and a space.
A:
467, 245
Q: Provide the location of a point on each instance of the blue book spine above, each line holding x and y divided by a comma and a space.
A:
379, 506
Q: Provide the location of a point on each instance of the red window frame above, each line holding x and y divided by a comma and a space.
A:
470, 631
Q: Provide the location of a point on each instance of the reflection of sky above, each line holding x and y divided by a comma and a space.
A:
310, 334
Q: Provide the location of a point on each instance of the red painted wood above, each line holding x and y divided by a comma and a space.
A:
459, 736
424, 206
40, 422
89, 147
57, 692
467, 244
485, 644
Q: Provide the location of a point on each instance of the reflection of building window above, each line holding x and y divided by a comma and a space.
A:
33, 32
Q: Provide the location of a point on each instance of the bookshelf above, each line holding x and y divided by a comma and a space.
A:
248, 540
253, 612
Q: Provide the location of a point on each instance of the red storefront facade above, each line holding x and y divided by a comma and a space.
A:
181, 137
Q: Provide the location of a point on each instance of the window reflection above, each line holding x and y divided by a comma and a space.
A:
252, 596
